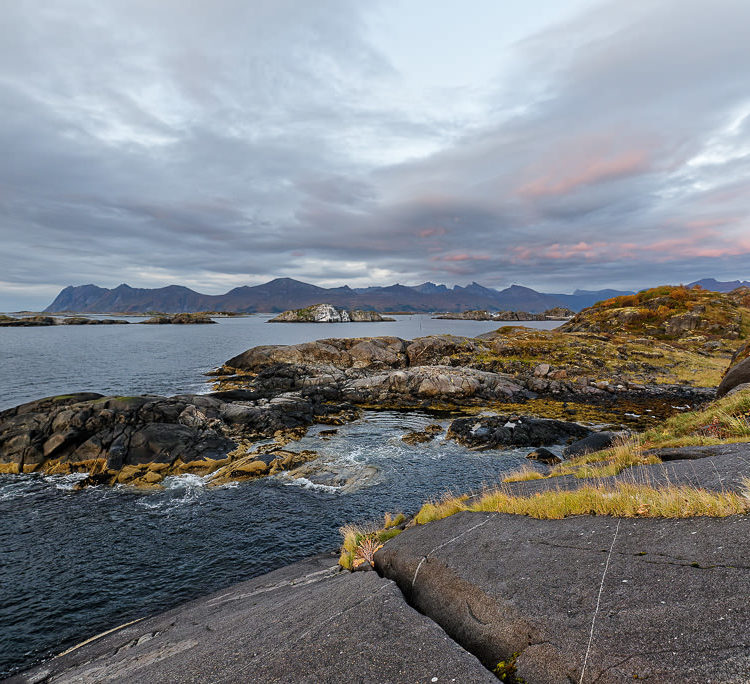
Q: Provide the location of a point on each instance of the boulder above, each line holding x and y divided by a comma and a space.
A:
544, 456
738, 372
489, 432
596, 441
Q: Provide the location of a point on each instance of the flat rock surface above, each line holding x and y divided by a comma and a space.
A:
673, 606
721, 467
306, 622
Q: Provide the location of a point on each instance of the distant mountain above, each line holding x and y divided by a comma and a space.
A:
283, 294
582, 299
719, 285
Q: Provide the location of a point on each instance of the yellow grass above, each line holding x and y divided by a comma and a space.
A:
523, 474
621, 500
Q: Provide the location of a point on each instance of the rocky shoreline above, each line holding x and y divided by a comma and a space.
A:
472, 598
466, 595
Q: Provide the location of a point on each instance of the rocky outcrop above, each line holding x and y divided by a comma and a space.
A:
738, 372
179, 319
668, 313
140, 440
327, 313
491, 432
494, 582
496, 367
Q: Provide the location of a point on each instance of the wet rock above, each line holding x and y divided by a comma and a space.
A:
119, 439
347, 477
488, 432
421, 436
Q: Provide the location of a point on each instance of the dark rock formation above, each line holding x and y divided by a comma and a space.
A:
494, 583
596, 441
490, 432
544, 456
738, 372
421, 436
36, 321
141, 439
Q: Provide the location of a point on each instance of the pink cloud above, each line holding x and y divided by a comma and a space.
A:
431, 232
462, 257
575, 172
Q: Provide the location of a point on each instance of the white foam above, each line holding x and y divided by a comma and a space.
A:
308, 484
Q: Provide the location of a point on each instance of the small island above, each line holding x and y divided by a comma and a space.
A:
558, 313
327, 313
42, 321
179, 319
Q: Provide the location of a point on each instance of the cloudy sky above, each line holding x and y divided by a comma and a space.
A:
213, 144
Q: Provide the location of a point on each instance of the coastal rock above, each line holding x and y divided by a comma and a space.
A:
493, 582
306, 622
557, 313
447, 369
37, 321
490, 432
421, 436
596, 441
122, 439
738, 372
544, 456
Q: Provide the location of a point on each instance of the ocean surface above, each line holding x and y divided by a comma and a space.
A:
73, 564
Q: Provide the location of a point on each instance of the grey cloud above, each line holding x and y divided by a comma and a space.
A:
232, 142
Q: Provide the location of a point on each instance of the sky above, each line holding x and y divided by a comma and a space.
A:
557, 144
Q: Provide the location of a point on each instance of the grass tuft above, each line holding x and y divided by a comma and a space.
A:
523, 474
361, 542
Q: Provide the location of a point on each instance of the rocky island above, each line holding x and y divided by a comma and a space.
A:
179, 319
327, 313
558, 313
43, 321
567, 571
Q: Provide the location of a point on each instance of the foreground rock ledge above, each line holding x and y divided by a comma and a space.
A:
673, 606
307, 622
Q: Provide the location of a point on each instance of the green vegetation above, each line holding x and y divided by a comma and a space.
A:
670, 313
505, 670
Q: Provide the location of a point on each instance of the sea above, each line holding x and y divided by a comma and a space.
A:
76, 563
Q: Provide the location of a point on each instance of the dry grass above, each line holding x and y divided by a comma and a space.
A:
361, 542
621, 500
441, 508
524, 474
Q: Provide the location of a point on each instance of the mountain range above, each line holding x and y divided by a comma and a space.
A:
282, 294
